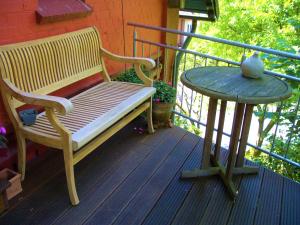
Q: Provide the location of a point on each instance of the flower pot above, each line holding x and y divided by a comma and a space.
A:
15, 179
161, 113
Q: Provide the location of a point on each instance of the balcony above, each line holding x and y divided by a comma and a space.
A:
270, 122
134, 179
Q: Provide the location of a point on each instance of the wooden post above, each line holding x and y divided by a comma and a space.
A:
171, 39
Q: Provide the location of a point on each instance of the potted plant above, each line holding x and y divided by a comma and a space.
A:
163, 103
163, 99
9, 175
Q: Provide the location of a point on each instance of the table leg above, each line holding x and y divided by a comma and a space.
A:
244, 135
206, 170
211, 116
241, 116
239, 165
220, 130
234, 140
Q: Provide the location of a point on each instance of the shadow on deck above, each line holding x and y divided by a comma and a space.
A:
134, 179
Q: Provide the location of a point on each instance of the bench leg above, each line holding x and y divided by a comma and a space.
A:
69, 167
21, 154
149, 118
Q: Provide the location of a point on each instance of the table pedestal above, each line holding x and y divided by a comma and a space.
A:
235, 163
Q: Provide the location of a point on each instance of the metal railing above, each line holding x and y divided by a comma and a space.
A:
192, 106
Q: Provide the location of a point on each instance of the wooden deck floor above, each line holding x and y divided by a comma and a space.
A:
134, 179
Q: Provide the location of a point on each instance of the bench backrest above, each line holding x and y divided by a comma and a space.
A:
46, 65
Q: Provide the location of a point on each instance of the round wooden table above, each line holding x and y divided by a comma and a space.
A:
228, 84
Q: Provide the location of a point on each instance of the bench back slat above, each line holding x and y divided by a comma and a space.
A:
46, 65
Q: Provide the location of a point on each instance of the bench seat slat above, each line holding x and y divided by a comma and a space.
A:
97, 109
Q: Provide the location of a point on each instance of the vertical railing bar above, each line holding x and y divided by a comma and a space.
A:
143, 49
191, 109
191, 102
175, 79
181, 100
184, 64
166, 64
201, 106
276, 128
293, 126
157, 63
182, 91
263, 123
186, 100
149, 50
195, 58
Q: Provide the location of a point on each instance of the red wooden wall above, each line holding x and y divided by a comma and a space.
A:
18, 23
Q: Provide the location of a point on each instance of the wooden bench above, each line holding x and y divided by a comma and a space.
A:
77, 126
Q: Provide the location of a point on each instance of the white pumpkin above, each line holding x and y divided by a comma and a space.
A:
252, 67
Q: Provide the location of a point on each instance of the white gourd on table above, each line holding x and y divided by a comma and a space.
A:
252, 67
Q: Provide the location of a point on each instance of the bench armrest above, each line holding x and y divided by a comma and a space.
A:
137, 61
62, 105
148, 63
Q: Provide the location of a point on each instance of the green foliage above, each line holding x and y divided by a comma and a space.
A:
269, 23
164, 92
280, 147
129, 76
187, 125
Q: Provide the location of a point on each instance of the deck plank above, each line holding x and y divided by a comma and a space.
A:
290, 213
134, 179
171, 200
269, 203
243, 210
144, 201
199, 198
219, 206
101, 207
101, 177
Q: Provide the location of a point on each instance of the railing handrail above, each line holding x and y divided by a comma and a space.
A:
268, 72
219, 40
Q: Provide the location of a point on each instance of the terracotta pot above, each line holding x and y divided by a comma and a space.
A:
161, 113
15, 179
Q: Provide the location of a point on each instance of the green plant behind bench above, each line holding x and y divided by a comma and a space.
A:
165, 93
129, 76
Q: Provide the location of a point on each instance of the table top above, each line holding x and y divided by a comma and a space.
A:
227, 83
